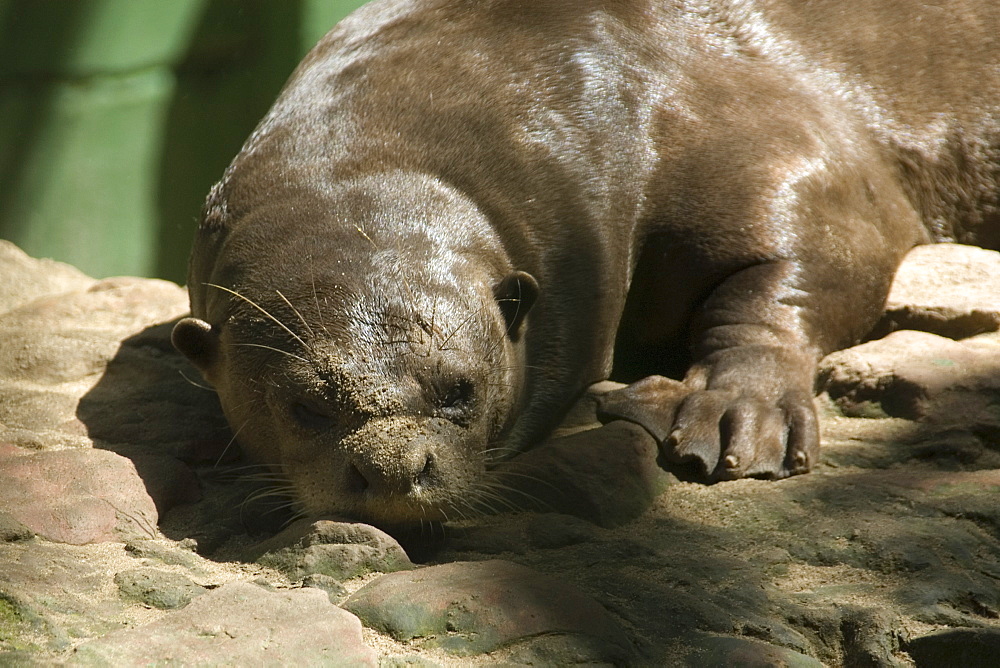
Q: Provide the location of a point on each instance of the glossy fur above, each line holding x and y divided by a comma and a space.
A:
726, 188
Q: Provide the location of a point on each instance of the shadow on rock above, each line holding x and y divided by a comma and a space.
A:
152, 407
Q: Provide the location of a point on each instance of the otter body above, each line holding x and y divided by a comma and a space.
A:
432, 242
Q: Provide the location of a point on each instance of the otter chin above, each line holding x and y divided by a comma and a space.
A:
458, 215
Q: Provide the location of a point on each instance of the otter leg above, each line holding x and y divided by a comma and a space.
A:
750, 408
745, 407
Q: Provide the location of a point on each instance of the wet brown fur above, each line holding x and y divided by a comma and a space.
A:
725, 188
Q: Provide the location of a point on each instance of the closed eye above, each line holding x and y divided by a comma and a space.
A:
310, 416
456, 402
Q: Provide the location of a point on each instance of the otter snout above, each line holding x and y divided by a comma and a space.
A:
401, 468
378, 475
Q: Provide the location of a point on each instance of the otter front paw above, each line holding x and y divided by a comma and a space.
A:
721, 434
731, 435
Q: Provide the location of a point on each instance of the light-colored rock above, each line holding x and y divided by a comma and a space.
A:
75, 496
914, 374
947, 289
95, 365
26, 279
236, 625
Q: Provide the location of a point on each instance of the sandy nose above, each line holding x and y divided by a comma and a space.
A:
384, 473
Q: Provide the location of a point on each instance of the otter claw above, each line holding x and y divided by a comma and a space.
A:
731, 462
800, 461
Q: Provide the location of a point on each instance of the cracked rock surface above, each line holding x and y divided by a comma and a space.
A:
129, 536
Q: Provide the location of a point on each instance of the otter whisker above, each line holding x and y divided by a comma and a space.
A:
230, 443
430, 339
198, 385
243, 468
409, 342
484, 501
488, 501
524, 476
460, 325
503, 492
264, 477
365, 235
506, 332
319, 309
500, 476
293, 517
272, 348
404, 278
507, 451
262, 310
297, 314
276, 492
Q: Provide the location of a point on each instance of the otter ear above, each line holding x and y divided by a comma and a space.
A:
515, 296
199, 343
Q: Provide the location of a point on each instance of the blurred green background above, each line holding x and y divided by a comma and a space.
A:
116, 116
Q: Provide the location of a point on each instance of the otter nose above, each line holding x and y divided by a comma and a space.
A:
380, 474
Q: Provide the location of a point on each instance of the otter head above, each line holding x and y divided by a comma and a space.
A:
379, 375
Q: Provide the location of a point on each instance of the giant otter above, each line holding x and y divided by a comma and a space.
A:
431, 243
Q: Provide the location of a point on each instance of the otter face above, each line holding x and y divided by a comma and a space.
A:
385, 408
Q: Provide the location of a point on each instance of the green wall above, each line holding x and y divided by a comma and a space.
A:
116, 116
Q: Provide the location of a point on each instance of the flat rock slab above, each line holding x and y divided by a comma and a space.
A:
711, 651
26, 279
946, 289
75, 496
916, 375
475, 607
236, 625
158, 588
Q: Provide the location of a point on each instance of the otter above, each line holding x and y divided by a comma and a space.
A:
458, 215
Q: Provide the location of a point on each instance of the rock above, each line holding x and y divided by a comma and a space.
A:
326, 583
239, 624
160, 589
896, 532
94, 365
17, 623
551, 531
949, 292
167, 552
169, 481
473, 607
26, 279
12, 529
969, 648
62, 594
914, 375
51, 352
710, 651
414, 660
870, 637
946, 289
341, 550
76, 496
607, 475
149, 399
